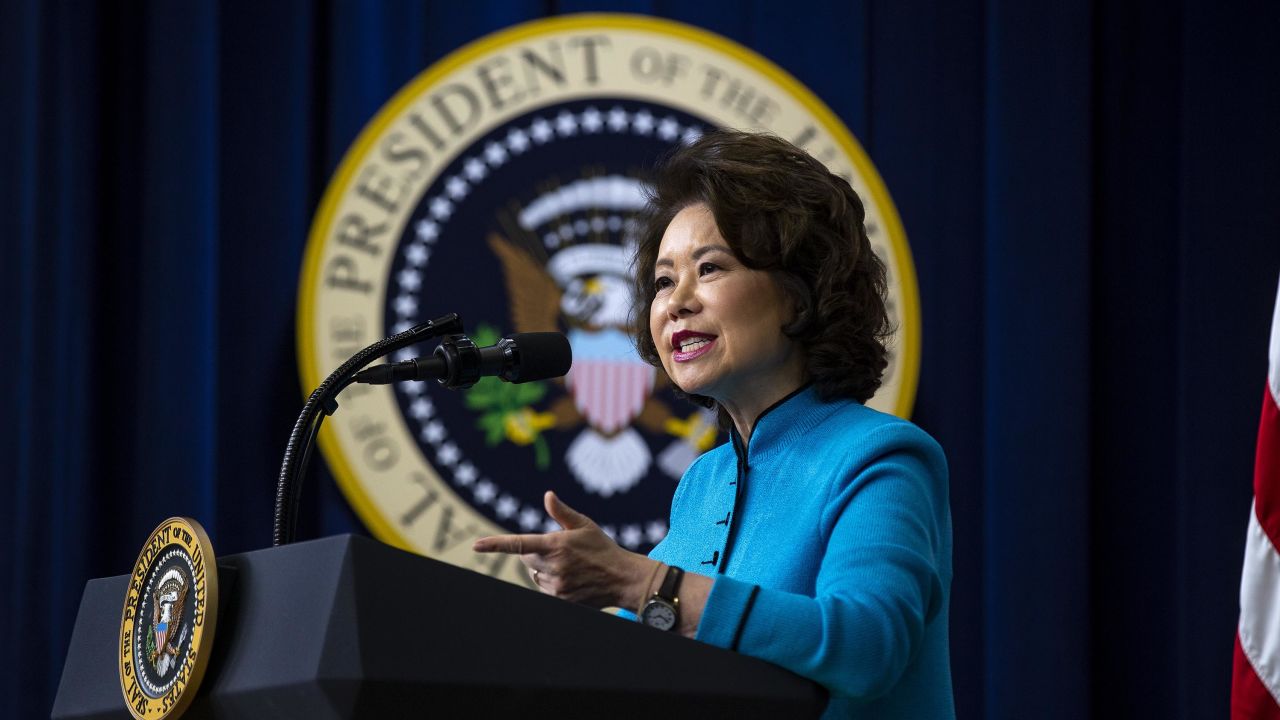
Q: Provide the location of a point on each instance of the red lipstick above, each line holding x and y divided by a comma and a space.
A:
680, 337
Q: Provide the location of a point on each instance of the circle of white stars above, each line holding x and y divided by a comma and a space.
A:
417, 252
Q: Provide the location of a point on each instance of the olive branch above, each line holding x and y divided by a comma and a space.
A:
506, 409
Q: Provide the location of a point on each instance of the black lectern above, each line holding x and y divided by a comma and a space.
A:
346, 627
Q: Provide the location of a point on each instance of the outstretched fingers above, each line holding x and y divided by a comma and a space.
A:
513, 544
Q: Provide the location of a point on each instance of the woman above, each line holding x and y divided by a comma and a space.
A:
819, 537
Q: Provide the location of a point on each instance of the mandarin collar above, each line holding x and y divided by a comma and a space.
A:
793, 415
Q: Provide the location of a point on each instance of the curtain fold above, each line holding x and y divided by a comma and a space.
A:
1036, 350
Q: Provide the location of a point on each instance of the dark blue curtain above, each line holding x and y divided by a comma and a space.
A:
1090, 193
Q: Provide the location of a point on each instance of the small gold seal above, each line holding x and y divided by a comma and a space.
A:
167, 627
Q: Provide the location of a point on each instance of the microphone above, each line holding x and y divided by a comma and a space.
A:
457, 363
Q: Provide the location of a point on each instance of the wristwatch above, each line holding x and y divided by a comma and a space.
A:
663, 609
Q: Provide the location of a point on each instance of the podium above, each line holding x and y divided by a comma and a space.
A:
346, 627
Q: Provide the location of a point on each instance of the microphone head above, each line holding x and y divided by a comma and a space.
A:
542, 356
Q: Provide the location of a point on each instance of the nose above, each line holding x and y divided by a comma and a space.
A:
683, 300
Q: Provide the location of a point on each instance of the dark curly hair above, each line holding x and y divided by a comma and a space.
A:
783, 212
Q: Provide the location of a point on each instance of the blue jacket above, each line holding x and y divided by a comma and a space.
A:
829, 539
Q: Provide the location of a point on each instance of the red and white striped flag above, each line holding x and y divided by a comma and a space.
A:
1255, 685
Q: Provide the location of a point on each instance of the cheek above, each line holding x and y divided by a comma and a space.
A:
656, 321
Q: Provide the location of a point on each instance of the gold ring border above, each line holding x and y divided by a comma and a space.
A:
203, 643
908, 340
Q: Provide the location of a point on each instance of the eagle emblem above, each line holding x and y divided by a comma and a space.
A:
583, 289
167, 632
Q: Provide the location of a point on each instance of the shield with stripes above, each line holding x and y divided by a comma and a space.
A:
608, 381
162, 634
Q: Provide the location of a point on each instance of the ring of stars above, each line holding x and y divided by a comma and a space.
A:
407, 283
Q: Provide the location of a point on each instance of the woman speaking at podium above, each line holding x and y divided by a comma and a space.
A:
819, 537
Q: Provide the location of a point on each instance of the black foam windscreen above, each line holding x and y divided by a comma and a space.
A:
543, 355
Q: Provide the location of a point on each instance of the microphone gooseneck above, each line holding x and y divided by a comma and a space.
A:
321, 403
457, 363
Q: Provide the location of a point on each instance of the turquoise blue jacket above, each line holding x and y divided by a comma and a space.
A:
829, 539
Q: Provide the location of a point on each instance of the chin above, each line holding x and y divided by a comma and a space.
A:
694, 387
684, 387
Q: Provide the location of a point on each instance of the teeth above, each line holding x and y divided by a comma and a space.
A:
691, 345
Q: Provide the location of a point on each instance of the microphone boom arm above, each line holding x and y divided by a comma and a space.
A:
322, 403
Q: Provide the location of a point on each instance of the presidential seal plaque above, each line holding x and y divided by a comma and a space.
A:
503, 184
167, 628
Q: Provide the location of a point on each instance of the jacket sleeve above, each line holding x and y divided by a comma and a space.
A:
878, 584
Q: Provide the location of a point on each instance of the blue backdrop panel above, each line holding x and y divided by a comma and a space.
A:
1037, 341
1089, 195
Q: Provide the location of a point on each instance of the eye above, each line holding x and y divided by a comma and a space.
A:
662, 283
707, 268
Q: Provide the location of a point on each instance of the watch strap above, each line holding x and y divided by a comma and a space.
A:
671, 583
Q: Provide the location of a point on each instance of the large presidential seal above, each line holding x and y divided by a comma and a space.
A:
170, 610
502, 183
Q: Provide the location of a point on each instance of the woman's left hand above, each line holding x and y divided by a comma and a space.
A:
580, 563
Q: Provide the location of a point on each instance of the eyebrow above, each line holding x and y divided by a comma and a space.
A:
668, 262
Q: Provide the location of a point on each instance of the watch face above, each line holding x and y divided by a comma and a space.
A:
658, 614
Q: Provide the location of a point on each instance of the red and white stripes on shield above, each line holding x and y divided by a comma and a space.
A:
610, 393
1255, 687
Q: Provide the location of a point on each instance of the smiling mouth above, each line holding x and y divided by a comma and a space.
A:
689, 345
